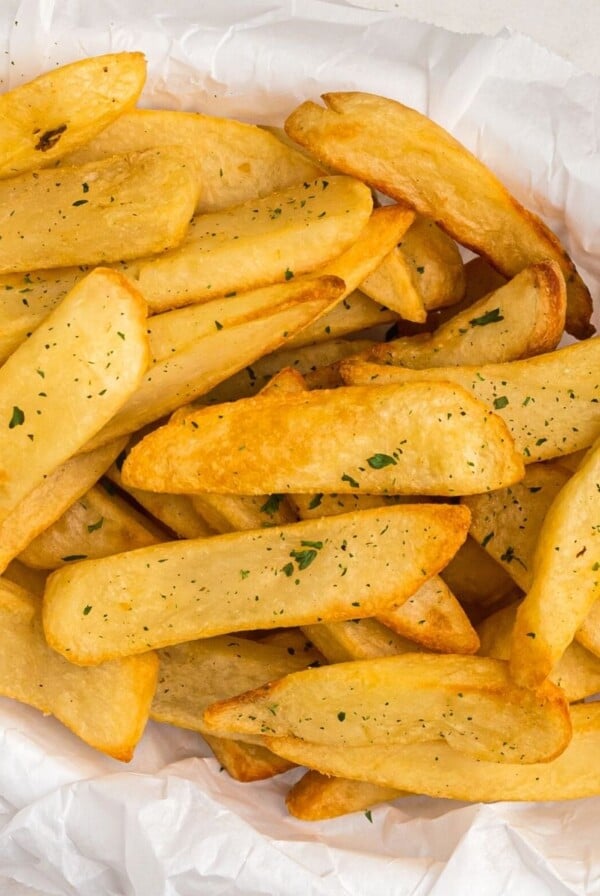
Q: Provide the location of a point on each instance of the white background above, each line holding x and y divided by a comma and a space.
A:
570, 28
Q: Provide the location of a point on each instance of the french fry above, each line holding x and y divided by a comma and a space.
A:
523, 318
356, 639
62, 109
577, 672
410, 158
233, 513
92, 350
470, 702
565, 582
422, 439
247, 762
507, 522
96, 525
70, 220
106, 706
438, 770
391, 284
236, 161
52, 497
539, 398
478, 581
194, 368
316, 797
354, 313
282, 576
434, 259
252, 245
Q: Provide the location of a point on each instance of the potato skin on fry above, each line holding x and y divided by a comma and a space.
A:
428, 439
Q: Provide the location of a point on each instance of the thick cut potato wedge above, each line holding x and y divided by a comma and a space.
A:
96, 213
507, 522
424, 439
316, 797
32, 580
282, 576
526, 317
96, 525
236, 161
391, 284
566, 576
477, 580
62, 109
551, 403
470, 702
198, 673
232, 513
52, 497
356, 639
73, 374
247, 762
577, 672
259, 242
106, 706
194, 368
410, 158
437, 770
354, 313
436, 264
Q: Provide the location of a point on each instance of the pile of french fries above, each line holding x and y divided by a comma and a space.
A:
280, 467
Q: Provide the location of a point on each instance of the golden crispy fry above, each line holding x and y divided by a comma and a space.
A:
70, 219
468, 701
476, 579
523, 318
260, 242
356, 639
232, 513
79, 367
32, 580
282, 576
565, 576
236, 161
62, 109
354, 313
52, 497
507, 522
539, 398
96, 525
424, 439
391, 284
106, 706
316, 797
577, 672
439, 771
194, 368
413, 160
436, 264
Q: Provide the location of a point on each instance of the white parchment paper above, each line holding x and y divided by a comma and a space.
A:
75, 822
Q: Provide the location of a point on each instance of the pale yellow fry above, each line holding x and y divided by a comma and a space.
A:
435, 262
168, 593
577, 672
73, 374
421, 439
51, 498
507, 522
354, 313
196, 674
259, 242
523, 318
468, 701
236, 161
306, 360
232, 513
194, 368
566, 579
62, 109
409, 157
96, 525
176, 512
50, 221
391, 284
356, 639
316, 797
551, 403
106, 706
437, 770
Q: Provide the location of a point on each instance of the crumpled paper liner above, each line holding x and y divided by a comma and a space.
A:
75, 822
